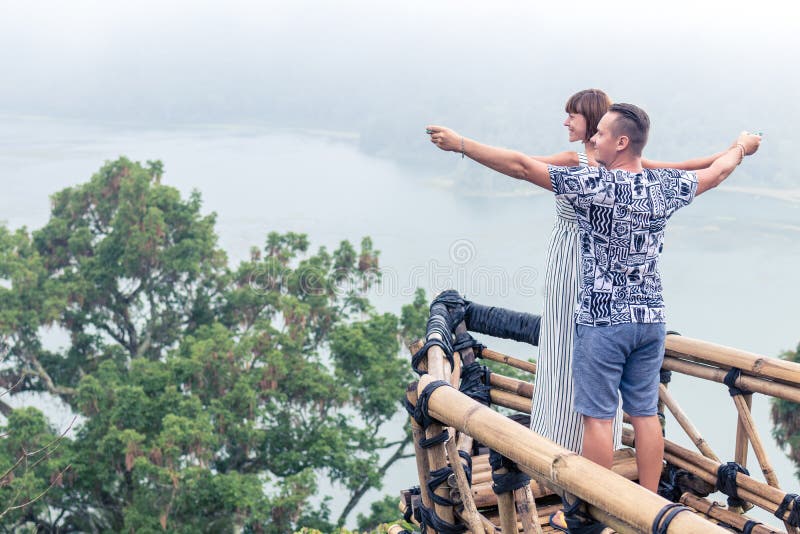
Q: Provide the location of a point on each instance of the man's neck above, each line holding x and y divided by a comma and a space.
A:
626, 162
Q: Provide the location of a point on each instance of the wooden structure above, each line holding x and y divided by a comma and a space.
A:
456, 492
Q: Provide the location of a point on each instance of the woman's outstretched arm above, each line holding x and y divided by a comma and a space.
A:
745, 145
508, 162
689, 165
562, 159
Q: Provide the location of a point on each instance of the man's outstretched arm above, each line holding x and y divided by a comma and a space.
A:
509, 162
745, 145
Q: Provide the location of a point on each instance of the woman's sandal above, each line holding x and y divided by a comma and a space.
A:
558, 522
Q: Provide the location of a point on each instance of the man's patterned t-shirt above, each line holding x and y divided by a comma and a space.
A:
622, 216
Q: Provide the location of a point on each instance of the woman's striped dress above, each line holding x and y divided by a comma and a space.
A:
552, 413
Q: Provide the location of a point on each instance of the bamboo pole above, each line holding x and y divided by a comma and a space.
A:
512, 385
470, 512
749, 428
727, 357
509, 400
714, 374
416, 502
484, 496
438, 369
468, 355
455, 376
685, 424
490, 527
421, 456
526, 510
539, 457
506, 507
748, 489
495, 356
465, 444
714, 510
740, 448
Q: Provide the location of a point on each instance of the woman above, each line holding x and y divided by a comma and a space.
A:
552, 413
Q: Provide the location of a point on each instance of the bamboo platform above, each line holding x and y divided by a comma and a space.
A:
462, 498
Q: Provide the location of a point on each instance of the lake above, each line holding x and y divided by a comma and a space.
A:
729, 268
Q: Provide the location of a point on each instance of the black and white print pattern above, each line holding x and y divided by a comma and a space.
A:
622, 217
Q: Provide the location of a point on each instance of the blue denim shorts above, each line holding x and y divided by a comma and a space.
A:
609, 360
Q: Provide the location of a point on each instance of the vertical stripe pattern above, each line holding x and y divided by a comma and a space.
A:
553, 414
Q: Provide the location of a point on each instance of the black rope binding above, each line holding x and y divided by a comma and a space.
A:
436, 479
427, 443
503, 323
465, 341
749, 526
429, 518
665, 376
408, 406
667, 513
421, 409
669, 486
450, 304
475, 383
436, 324
726, 482
794, 514
505, 482
467, 468
730, 381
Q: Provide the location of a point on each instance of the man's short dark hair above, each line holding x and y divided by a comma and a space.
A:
633, 122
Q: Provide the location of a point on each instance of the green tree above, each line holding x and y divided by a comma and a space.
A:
210, 397
786, 419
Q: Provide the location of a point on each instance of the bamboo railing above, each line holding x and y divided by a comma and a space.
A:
467, 500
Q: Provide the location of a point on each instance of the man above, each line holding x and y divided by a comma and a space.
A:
622, 211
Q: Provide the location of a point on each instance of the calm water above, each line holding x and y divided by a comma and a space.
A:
729, 269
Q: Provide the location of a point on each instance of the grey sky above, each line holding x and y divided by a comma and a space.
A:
187, 61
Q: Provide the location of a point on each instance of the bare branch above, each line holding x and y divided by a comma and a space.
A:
52, 444
23, 505
45, 377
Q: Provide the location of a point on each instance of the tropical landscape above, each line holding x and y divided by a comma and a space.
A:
223, 230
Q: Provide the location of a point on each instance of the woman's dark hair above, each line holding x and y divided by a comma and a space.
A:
633, 122
592, 104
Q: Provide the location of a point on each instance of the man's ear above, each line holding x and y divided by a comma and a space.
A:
622, 142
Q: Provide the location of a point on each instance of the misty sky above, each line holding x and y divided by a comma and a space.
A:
321, 63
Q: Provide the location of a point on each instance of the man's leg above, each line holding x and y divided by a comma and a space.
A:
598, 441
639, 387
649, 450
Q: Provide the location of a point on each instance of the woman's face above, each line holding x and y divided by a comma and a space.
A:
576, 126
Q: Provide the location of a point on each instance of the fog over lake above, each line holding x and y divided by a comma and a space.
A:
309, 117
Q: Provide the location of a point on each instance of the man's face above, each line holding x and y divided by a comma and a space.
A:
605, 142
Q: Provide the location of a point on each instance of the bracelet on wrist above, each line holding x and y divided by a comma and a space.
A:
462, 148
743, 152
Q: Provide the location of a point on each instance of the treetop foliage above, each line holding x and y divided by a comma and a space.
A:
209, 397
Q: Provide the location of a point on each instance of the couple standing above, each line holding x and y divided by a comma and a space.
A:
603, 324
